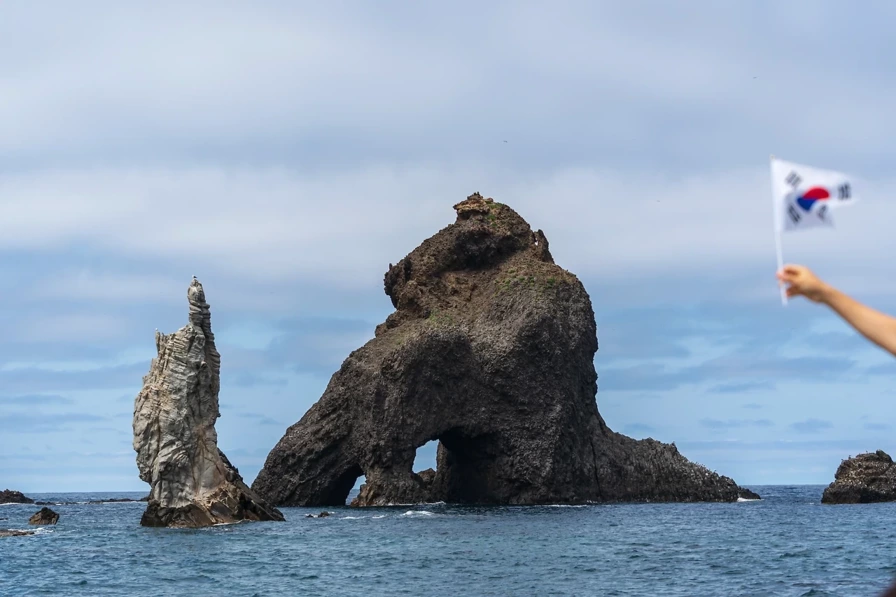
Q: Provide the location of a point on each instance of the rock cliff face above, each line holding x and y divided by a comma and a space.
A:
192, 482
8, 496
863, 479
490, 351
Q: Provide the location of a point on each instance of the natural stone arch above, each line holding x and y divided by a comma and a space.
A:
490, 349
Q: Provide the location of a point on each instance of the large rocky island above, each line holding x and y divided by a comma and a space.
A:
863, 479
192, 482
490, 351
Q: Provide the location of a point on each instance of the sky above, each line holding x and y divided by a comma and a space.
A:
286, 152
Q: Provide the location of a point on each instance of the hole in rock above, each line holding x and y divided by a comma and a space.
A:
469, 462
356, 489
426, 456
339, 489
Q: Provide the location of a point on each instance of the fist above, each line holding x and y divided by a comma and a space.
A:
801, 281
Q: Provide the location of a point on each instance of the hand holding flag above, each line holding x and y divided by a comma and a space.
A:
802, 282
804, 197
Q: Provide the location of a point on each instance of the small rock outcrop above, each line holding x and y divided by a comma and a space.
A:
8, 496
192, 484
746, 494
490, 351
44, 516
14, 533
863, 479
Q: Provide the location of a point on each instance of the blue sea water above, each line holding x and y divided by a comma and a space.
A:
786, 544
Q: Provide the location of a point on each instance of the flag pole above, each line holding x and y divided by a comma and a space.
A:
778, 249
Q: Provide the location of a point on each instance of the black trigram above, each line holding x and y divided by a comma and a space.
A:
843, 191
822, 213
795, 216
793, 179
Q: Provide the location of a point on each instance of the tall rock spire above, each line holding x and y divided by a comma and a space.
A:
192, 484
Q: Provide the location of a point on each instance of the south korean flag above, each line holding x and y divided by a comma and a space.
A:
805, 197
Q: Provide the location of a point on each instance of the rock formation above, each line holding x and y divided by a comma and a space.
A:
746, 494
192, 484
44, 516
490, 351
14, 533
863, 479
7, 496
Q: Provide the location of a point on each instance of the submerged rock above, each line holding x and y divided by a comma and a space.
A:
863, 479
8, 496
192, 482
14, 533
490, 351
44, 516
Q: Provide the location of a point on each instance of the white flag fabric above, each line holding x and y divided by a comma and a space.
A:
806, 196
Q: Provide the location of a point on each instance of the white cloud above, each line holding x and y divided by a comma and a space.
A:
267, 225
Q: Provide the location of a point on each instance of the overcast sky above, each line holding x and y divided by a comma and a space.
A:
286, 152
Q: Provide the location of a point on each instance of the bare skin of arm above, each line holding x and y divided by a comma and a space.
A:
878, 327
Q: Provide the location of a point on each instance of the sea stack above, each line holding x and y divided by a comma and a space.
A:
192, 484
863, 479
490, 351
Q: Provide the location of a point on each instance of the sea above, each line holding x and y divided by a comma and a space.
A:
788, 543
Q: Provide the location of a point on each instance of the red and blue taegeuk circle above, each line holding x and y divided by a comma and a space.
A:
808, 198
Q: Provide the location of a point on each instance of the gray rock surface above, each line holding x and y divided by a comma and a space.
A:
44, 516
8, 496
490, 351
863, 479
192, 484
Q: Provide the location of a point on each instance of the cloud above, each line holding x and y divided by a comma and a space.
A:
35, 379
882, 369
40, 423
658, 377
811, 426
314, 345
302, 148
753, 406
742, 387
877, 426
250, 380
35, 400
262, 419
638, 429
735, 423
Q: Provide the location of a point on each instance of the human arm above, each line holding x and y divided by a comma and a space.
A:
877, 327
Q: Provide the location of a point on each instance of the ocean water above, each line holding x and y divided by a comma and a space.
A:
786, 544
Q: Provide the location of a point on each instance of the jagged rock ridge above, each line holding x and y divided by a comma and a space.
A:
8, 496
863, 479
490, 351
192, 484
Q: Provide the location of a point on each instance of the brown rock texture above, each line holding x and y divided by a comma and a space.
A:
192, 484
490, 350
863, 479
44, 516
